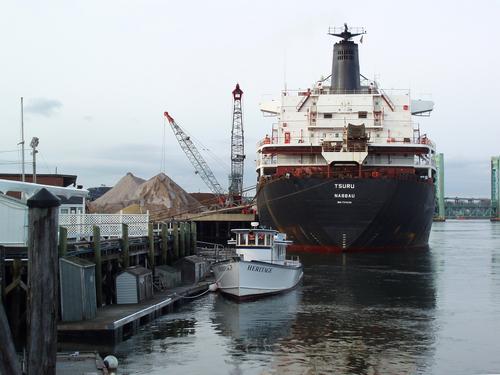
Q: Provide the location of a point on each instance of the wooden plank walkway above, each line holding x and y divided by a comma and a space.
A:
113, 323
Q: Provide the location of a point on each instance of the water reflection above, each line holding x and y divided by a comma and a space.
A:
363, 313
406, 312
256, 325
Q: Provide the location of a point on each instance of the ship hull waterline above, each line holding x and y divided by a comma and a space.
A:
349, 214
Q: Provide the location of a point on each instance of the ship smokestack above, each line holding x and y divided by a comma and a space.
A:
345, 65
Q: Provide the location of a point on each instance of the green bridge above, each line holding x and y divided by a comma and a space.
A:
467, 208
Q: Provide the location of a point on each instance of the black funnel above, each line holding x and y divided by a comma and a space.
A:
345, 66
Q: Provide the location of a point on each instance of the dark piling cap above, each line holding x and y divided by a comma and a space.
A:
43, 199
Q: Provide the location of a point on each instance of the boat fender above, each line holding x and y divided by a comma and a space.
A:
213, 287
111, 364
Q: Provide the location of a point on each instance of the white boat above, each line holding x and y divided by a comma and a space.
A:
260, 267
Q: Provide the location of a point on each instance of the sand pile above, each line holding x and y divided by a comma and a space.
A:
162, 197
121, 195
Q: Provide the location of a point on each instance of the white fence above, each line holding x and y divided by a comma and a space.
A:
81, 225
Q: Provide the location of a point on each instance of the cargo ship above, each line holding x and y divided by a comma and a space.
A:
345, 165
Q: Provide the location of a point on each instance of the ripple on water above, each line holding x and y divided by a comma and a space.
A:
416, 312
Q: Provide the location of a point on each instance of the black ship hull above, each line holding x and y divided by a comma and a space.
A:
328, 214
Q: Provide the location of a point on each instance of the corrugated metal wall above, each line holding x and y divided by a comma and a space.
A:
78, 296
89, 295
126, 288
71, 291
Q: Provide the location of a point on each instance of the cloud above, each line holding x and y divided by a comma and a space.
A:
88, 118
42, 106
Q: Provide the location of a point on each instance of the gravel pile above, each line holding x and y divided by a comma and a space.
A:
160, 195
121, 195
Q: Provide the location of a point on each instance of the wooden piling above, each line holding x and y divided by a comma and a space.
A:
42, 283
175, 234
151, 241
9, 364
194, 237
187, 232
98, 265
15, 294
164, 244
63, 241
125, 247
182, 240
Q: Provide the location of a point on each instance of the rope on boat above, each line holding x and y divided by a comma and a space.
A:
204, 292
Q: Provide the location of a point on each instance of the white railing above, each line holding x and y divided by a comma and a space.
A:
81, 225
424, 161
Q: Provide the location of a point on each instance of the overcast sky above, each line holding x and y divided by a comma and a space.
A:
98, 75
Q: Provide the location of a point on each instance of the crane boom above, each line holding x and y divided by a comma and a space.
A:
200, 165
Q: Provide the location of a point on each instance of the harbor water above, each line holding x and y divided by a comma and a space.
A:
434, 311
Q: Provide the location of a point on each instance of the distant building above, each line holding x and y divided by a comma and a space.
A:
14, 211
97, 192
71, 205
63, 180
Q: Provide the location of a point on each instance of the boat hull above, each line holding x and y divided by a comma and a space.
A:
327, 214
246, 280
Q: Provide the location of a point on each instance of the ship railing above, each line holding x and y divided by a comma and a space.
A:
365, 88
268, 160
421, 161
289, 140
292, 260
276, 159
316, 141
423, 140
214, 252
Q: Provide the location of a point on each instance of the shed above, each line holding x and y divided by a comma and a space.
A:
78, 294
193, 268
134, 285
169, 277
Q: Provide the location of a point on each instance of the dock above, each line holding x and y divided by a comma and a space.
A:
94, 283
115, 323
80, 363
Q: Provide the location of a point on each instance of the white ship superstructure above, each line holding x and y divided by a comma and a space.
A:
326, 126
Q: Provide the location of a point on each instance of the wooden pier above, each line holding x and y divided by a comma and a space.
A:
166, 244
114, 323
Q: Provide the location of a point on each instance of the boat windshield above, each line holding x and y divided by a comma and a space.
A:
254, 239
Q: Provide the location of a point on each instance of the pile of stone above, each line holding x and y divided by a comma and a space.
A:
160, 195
120, 196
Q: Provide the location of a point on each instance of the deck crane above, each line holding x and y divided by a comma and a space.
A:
200, 165
237, 150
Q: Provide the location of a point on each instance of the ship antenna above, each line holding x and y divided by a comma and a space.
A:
346, 32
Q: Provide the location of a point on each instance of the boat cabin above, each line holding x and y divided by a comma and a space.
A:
265, 245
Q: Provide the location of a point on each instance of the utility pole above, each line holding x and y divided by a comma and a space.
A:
34, 145
23, 178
